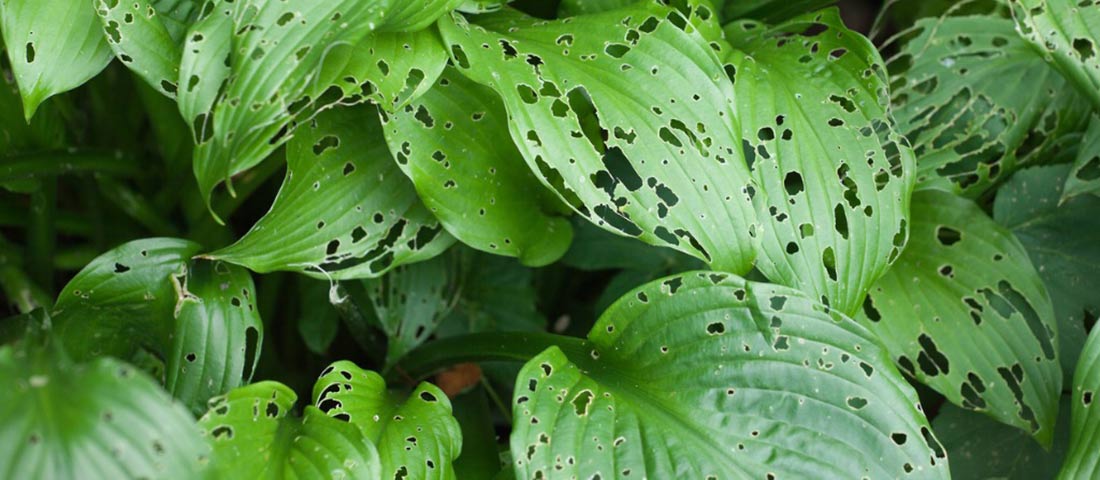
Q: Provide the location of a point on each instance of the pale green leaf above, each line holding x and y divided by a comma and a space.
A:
1083, 458
344, 210
393, 69
964, 311
480, 190
834, 177
54, 46
140, 35
669, 170
977, 102
1061, 239
254, 436
705, 375
417, 437
1068, 34
103, 419
1085, 177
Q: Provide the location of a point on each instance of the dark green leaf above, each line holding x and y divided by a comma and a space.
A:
1083, 458
1085, 177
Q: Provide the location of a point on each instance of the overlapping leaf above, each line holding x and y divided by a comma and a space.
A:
1082, 460
705, 375
627, 150
448, 143
964, 311
1068, 33
981, 448
53, 46
1085, 176
772, 11
104, 418
416, 436
978, 102
146, 38
1061, 239
835, 179
251, 431
344, 210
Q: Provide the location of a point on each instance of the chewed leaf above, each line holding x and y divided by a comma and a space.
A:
835, 178
1060, 236
54, 46
251, 431
705, 375
1081, 460
344, 210
410, 301
964, 311
652, 151
417, 437
105, 419
140, 37
393, 69
447, 142
218, 334
1068, 33
978, 102
1085, 176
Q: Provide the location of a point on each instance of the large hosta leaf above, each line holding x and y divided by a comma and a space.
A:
417, 437
773, 11
447, 142
964, 312
1061, 239
705, 375
1083, 458
650, 151
146, 37
1085, 177
396, 68
344, 210
253, 436
103, 419
1068, 33
835, 178
54, 46
978, 102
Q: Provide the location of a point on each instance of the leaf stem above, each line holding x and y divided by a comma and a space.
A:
482, 347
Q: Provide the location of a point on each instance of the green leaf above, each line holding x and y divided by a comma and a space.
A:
54, 46
253, 436
1082, 460
571, 8
125, 299
981, 448
103, 419
705, 375
1085, 177
964, 312
596, 249
390, 73
1061, 241
411, 300
498, 295
318, 321
218, 333
670, 171
344, 210
140, 36
835, 179
1067, 32
770, 11
481, 191
978, 102
416, 437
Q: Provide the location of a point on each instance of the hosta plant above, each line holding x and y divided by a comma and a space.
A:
589, 239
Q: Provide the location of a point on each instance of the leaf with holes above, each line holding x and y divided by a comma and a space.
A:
1082, 460
706, 375
251, 430
104, 419
964, 311
1061, 241
218, 334
416, 437
1085, 177
834, 177
640, 159
1067, 32
344, 210
54, 46
411, 300
480, 190
393, 69
772, 11
124, 300
978, 102
146, 40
